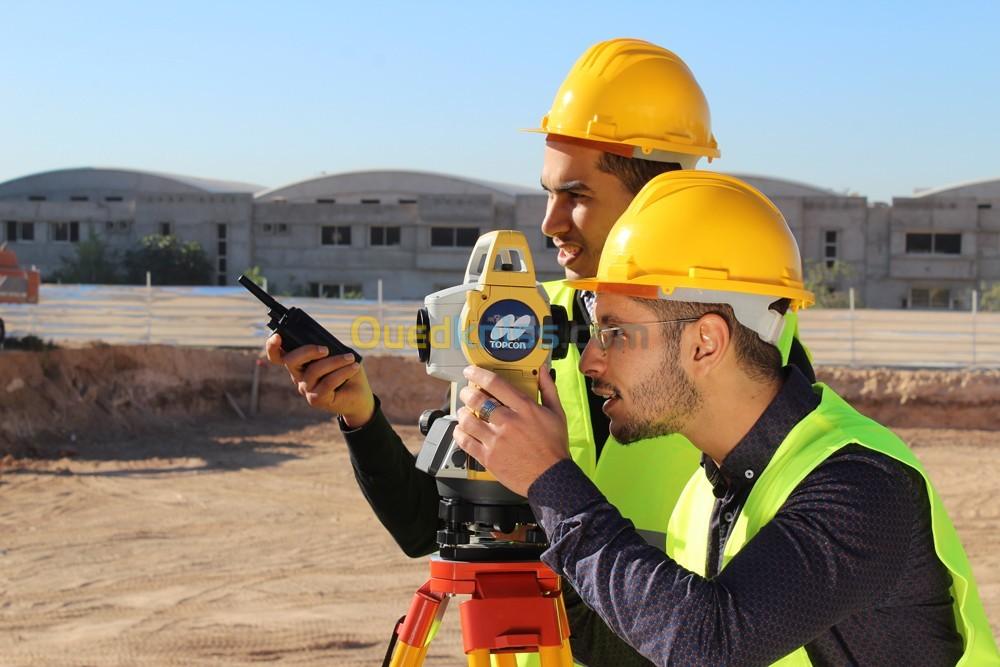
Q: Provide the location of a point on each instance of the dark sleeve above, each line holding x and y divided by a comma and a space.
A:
833, 548
592, 641
404, 499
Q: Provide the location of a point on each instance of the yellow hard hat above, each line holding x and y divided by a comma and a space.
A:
631, 93
704, 237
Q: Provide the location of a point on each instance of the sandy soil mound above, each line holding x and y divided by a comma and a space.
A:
921, 398
60, 396
66, 394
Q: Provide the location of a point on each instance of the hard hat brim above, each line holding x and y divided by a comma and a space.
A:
651, 287
644, 147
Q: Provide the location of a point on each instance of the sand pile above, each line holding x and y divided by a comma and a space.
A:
108, 391
957, 399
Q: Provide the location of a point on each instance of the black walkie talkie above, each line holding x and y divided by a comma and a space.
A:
294, 326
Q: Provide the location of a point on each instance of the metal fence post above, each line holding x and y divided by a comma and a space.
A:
850, 296
975, 309
381, 311
149, 307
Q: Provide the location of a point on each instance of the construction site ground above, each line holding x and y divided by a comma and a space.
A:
143, 522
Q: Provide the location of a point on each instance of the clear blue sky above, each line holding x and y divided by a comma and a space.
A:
850, 96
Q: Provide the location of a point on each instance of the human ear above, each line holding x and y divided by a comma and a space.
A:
712, 341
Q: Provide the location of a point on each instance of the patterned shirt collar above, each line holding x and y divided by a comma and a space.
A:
745, 463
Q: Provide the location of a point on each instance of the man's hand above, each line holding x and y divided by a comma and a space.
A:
522, 438
335, 384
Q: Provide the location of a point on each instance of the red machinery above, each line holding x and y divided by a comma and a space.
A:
17, 284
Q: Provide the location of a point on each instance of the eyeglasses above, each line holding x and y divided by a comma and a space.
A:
605, 336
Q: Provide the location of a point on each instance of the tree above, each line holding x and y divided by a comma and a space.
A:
826, 282
256, 276
170, 262
990, 297
94, 263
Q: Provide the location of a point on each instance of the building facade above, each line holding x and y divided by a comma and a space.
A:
340, 235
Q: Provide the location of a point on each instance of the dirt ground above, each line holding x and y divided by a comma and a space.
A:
172, 532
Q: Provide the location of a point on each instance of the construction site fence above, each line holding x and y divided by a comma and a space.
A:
231, 317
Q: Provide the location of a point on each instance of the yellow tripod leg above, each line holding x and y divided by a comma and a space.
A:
479, 657
555, 656
405, 655
504, 660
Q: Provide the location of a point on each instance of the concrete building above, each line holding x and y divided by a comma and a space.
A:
44, 215
338, 235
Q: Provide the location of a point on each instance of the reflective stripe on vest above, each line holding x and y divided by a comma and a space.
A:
822, 432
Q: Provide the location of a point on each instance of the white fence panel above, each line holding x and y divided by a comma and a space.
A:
231, 317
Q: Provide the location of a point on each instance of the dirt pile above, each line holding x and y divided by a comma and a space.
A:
58, 396
957, 399
109, 391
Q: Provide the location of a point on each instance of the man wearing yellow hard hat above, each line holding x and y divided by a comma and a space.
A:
627, 111
812, 536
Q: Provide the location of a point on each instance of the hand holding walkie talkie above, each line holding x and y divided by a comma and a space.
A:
294, 326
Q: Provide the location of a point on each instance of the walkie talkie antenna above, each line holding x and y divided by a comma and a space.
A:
275, 308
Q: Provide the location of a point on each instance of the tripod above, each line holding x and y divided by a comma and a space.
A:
516, 607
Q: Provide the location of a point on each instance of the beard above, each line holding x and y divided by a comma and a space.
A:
662, 403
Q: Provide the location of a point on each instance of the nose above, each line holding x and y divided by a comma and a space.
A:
593, 360
557, 219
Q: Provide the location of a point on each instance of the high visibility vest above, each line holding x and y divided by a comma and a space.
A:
643, 480
822, 432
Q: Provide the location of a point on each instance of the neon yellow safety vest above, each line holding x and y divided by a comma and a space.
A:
644, 479
824, 431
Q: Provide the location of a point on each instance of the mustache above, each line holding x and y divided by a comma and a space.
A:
603, 387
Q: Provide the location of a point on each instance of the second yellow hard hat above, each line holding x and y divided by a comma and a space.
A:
633, 93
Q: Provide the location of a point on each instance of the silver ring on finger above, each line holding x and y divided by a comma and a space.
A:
487, 408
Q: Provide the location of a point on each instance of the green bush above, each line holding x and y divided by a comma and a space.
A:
828, 284
989, 299
94, 263
170, 262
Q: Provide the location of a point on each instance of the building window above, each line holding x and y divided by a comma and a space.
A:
384, 236
65, 232
338, 235
281, 228
79, 198
407, 201
165, 229
336, 290
36, 197
933, 244
454, 237
371, 201
221, 232
326, 200
113, 198
947, 244
938, 298
830, 247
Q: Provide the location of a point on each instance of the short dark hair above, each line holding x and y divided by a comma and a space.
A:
633, 172
760, 360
